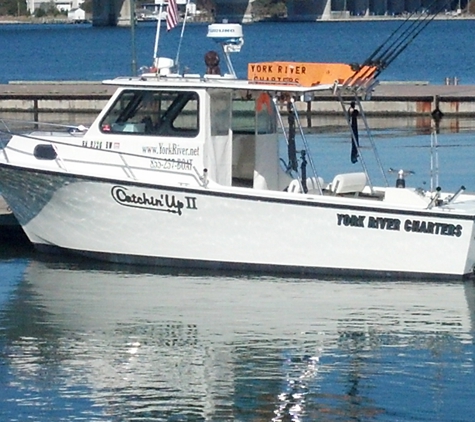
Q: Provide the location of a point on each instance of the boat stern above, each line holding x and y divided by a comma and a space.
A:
469, 270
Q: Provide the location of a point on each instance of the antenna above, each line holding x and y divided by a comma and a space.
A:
229, 35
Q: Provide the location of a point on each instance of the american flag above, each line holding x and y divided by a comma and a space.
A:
172, 15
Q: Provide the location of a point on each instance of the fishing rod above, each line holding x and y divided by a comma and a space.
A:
395, 44
405, 40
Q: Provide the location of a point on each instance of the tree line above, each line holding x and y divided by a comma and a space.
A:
13, 8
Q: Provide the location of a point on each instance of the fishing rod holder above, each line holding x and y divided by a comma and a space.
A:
401, 176
456, 195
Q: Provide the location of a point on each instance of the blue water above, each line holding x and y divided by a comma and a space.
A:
81, 52
85, 341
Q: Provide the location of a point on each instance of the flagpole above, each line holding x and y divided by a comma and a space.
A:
181, 35
157, 34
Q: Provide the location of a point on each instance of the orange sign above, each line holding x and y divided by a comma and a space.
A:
305, 74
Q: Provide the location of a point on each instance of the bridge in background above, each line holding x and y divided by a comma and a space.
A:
117, 12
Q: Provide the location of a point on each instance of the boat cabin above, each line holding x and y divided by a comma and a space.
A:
230, 132
222, 128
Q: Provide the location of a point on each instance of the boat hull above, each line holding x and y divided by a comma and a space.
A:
10, 229
130, 222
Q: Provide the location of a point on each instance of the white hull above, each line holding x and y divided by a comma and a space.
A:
9, 226
6, 216
236, 228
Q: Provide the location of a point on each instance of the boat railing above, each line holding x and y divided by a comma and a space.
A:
292, 165
125, 160
371, 140
307, 149
354, 137
18, 126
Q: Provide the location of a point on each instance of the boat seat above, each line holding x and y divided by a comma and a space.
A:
348, 183
295, 185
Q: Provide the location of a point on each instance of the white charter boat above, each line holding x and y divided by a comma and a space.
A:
184, 170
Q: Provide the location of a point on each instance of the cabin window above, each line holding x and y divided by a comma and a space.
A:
220, 105
255, 115
244, 116
146, 112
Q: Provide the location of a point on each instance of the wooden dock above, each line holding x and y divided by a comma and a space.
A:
388, 99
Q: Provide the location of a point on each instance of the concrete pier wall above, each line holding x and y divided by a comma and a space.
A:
391, 99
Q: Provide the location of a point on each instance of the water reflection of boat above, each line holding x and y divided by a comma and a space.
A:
175, 344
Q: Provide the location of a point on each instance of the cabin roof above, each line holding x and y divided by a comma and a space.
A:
211, 82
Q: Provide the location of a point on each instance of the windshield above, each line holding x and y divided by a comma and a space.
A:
166, 113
